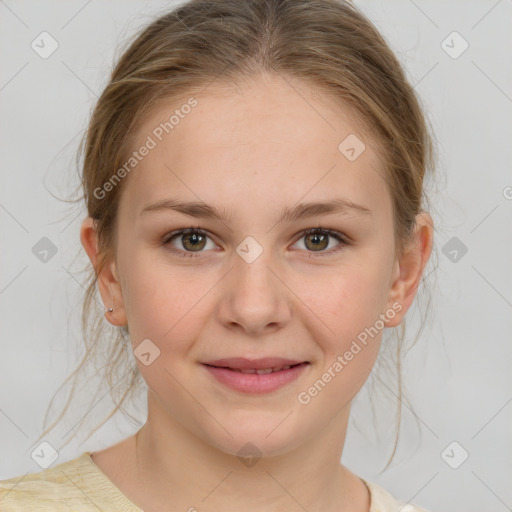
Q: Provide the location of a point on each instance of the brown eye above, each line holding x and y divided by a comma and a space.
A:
185, 242
318, 240
193, 241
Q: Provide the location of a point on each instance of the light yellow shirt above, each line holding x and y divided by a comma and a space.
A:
79, 485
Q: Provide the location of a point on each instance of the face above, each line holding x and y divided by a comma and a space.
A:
252, 283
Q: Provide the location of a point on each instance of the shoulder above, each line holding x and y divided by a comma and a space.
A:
383, 501
77, 485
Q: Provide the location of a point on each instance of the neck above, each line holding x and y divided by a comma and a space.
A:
174, 466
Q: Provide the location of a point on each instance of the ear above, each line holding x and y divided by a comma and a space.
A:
409, 269
108, 283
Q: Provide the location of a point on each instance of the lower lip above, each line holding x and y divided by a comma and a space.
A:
253, 382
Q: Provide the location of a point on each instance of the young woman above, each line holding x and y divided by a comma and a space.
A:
253, 175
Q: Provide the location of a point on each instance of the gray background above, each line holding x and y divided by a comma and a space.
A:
458, 375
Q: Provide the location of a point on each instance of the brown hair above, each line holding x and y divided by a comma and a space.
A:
327, 44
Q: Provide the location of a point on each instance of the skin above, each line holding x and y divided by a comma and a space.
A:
251, 150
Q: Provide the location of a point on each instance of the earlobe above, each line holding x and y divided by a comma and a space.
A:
108, 283
409, 269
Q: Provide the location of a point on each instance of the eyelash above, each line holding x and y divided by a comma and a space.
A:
196, 230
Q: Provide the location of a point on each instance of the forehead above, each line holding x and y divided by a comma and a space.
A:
268, 141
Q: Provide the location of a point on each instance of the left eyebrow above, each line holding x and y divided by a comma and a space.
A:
306, 210
202, 210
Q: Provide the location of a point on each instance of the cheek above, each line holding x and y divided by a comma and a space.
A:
163, 304
350, 315
344, 303
168, 312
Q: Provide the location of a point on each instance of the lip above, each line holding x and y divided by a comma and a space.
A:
242, 363
225, 372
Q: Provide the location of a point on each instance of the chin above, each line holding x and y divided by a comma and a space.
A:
258, 437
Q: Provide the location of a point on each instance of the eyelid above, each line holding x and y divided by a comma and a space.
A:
341, 237
184, 231
331, 232
169, 237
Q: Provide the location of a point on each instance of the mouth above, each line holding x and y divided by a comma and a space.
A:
255, 376
259, 371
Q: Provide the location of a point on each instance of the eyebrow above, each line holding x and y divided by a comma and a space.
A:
201, 210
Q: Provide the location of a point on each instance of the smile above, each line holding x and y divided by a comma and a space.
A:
256, 380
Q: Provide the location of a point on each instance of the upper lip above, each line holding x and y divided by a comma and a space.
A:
241, 363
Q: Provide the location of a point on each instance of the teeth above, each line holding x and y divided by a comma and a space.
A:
263, 371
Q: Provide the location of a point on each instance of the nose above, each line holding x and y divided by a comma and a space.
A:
254, 297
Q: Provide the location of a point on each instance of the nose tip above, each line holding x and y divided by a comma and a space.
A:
254, 298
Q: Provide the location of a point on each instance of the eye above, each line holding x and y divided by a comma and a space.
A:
186, 242
191, 240
317, 239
